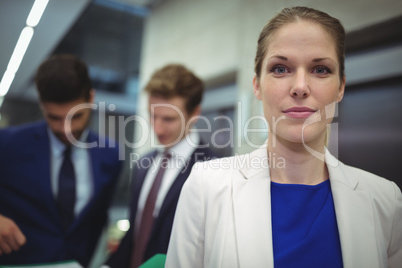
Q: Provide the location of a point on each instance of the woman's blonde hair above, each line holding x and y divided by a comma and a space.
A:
289, 15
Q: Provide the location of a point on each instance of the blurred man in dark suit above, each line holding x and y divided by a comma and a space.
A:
54, 190
175, 95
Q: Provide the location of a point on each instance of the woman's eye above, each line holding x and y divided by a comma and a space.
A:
279, 70
322, 70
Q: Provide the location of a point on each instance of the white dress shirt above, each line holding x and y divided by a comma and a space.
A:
181, 153
82, 167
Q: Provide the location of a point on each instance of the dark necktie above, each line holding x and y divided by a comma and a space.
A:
66, 190
147, 219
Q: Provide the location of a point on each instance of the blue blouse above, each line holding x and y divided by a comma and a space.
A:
304, 228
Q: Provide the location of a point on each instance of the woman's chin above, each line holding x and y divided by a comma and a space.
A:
297, 138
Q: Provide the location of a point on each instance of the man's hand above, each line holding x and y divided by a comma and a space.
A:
11, 237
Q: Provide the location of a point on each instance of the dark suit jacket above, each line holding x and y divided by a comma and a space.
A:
26, 197
160, 235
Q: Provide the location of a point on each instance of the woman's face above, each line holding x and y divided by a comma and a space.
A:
299, 83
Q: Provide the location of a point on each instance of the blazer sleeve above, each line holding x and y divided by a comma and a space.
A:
186, 246
395, 249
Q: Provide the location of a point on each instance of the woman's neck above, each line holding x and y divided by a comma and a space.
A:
300, 166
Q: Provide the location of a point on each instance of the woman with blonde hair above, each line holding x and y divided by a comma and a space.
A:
313, 211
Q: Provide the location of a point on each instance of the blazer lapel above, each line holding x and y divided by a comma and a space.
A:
42, 166
95, 165
354, 214
252, 210
98, 179
137, 180
252, 213
174, 191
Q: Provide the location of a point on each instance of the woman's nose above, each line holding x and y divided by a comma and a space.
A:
300, 87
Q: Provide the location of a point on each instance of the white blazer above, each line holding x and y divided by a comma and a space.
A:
223, 218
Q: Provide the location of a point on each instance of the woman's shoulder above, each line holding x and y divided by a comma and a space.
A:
224, 165
378, 186
215, 166
218, 171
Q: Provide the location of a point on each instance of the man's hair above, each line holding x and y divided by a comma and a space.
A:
174, 80
63, 78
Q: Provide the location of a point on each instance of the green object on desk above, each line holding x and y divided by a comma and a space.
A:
157, 261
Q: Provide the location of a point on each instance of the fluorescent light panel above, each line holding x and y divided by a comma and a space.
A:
20, 49
5, 83
22, 45
16, 58
36, 12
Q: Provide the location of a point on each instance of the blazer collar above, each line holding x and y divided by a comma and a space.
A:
354, 215
252, 209
254, 164
257, 163
337, 172
174, 191
252, 212
41, 149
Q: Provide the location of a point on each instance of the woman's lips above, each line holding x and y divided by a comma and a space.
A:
299, 112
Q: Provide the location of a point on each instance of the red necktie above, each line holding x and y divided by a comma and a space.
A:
147, 219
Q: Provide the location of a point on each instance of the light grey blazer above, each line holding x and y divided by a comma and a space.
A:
223, 218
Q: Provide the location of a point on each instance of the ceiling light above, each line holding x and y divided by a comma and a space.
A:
5, 83
20, 49
36, 12
16, 58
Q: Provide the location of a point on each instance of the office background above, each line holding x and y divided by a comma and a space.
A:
124, 41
